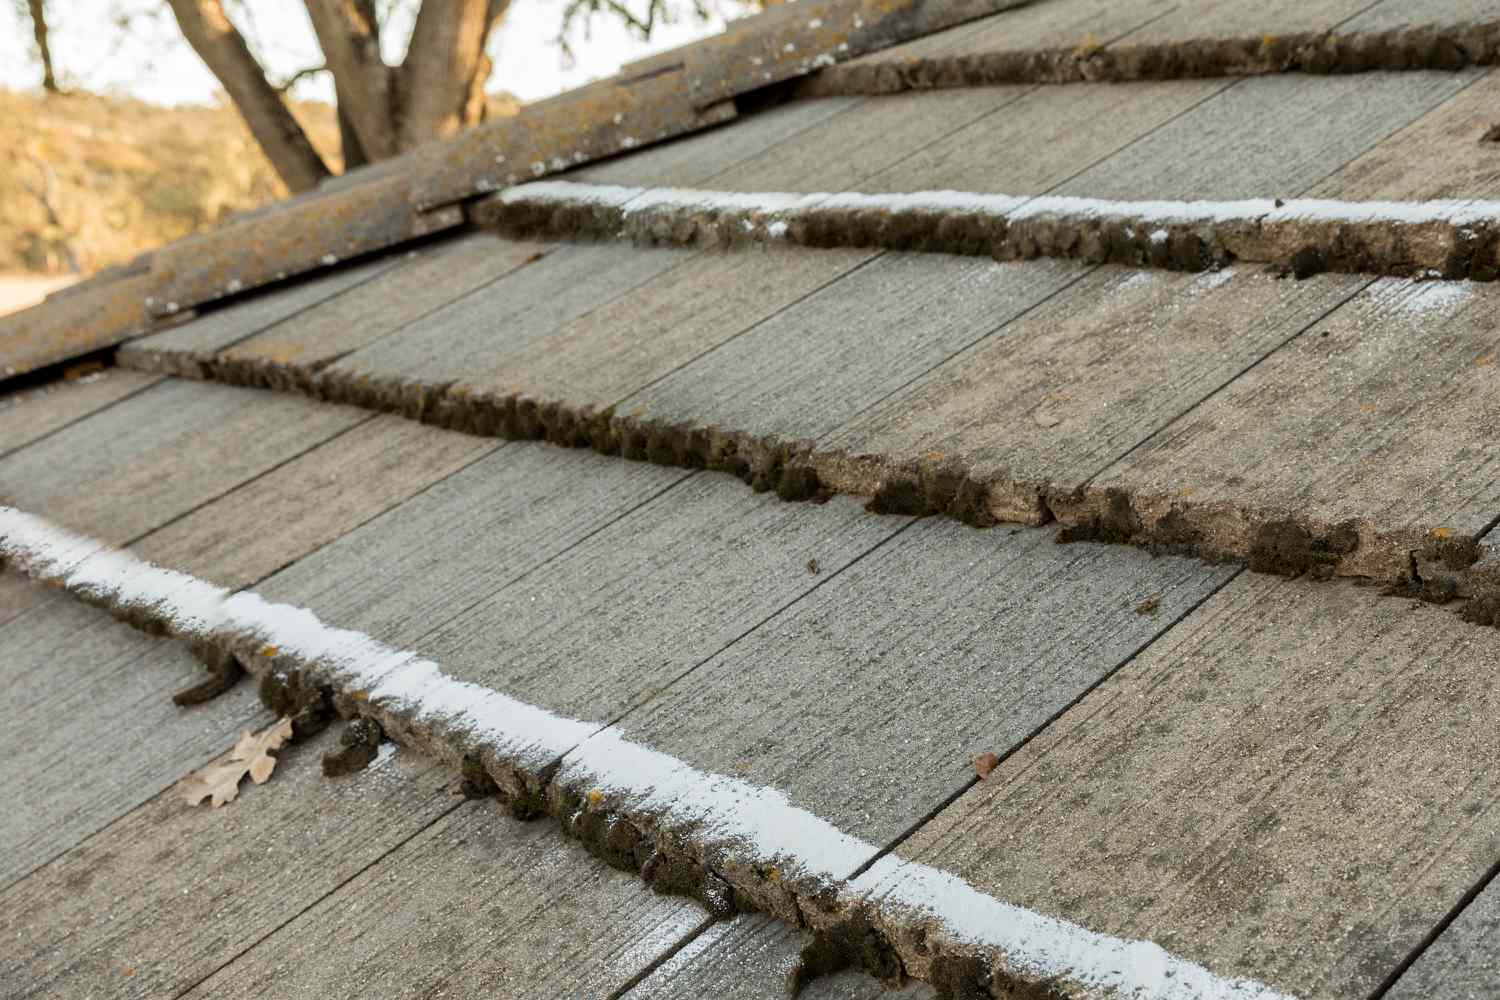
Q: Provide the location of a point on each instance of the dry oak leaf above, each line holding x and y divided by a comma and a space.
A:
220, 783
984, 764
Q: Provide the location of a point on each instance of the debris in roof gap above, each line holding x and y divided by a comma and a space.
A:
253, 754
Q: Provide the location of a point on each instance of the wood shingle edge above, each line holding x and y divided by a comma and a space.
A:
420, 195
733, 845
1447, 240
1409, 557
1418, 47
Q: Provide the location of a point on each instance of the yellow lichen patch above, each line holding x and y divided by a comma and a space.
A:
361, 696
1441, 532
269, 651
1088, 46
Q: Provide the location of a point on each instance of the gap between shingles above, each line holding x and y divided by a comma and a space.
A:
721, 810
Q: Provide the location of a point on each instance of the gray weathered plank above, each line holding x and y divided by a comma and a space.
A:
1390, 14
157, 455
310, 501
622, 615
1049, 25
1440, 155
667, 322
1376, 416
477, 904
867, 700
1293, 784
508, 314
1060, 129
812, 367
841, 152
173, 891
18, 595
694, 159
90, 729
1267, 137
1464, 962
1057, 395
754, 957
1234, 19
387, 302
216, 329
27, 416
409, 570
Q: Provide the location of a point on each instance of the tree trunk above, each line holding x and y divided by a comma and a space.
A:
354, 153
442, 79
38, 9
349, 35
210, 33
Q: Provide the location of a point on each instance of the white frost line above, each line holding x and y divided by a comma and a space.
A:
632, 200
751, 818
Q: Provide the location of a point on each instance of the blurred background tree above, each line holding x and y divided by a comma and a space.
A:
404, 72
91, 175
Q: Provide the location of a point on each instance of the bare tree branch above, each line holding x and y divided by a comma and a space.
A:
210, 33
349, 35
298, 77
38, 11
643, 24
444, 59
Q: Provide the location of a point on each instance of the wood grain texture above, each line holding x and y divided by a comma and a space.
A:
1394, 14
161, 453
28, 416
693, 160
1267, 137
215, 330
619, 617
1293, 784
1370, 418
867, 700
843, 151
820, 362
1462, 963
1055, 396
277, 518
406, 572
176, 891
1234, 19
427, 281
506, 316
1440, 155
669, 321
90, 729
477, 904
1045, 137
1053, 24
18, 595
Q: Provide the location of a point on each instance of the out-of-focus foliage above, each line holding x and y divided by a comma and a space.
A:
91, 181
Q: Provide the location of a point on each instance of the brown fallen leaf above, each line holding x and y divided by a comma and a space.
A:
220, 783
984, 764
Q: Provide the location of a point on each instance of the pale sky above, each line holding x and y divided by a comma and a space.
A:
154, 63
